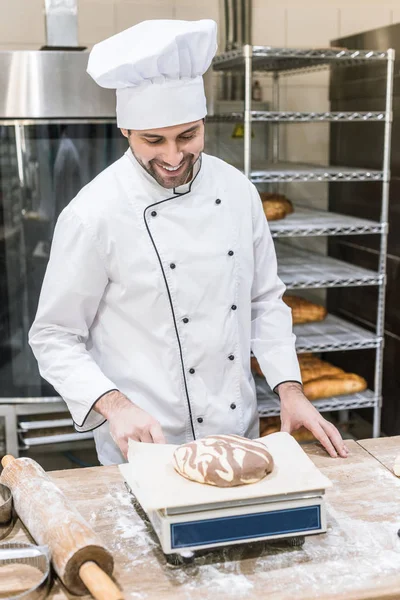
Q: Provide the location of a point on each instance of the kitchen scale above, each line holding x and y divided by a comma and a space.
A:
189, 516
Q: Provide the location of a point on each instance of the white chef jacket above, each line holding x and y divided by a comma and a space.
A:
162, 294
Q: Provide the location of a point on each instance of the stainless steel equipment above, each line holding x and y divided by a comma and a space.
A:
301, 269
352, 88
18, 555
57, 132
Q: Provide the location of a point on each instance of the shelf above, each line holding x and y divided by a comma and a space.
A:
300, 269
307, 222
333, 334
282, 172
267, 58
269, 405
297, 117
34, 400
47, 424
55, 439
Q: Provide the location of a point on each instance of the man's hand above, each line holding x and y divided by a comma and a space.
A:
297, 411
126, 420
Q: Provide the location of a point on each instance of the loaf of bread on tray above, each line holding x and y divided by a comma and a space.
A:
315, 368
273, 424
321, 379
334, 385
276, 206
304, 311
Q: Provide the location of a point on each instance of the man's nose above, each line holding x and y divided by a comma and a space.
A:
172, 155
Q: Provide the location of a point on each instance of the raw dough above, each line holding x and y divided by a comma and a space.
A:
396, 466
223, 460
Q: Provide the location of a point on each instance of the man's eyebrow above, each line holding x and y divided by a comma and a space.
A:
193, 128
151, 135
158, 137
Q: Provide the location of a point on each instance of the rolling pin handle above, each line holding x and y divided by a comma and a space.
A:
99, 584
7, 460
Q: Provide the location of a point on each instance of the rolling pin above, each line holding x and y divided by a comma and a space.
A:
78, 556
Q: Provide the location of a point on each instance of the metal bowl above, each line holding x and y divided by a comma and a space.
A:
28, 554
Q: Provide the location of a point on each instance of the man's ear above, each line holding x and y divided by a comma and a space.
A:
125, 132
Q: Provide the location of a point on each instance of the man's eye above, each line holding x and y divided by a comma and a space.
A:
187, 137
153, 141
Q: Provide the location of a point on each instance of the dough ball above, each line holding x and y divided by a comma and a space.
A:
223, 460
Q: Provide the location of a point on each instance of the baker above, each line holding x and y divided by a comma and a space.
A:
162, 274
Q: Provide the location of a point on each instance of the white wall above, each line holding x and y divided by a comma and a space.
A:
286, 22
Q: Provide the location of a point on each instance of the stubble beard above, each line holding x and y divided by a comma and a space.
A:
170, 182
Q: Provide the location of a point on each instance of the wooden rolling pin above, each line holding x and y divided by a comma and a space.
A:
78, 556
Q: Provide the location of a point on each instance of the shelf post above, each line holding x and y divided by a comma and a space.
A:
248, 54
380, 320
275, 126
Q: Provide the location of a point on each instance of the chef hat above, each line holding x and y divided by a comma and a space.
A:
156, 68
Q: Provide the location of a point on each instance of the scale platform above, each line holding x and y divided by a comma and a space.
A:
189, 516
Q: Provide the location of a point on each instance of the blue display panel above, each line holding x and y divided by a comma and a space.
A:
241, 527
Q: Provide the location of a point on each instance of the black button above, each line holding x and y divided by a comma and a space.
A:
231, 357
172, 265
233, 406
233, 307
200, 420
153, 213
185, 320
231, 253
218, 201
191, 371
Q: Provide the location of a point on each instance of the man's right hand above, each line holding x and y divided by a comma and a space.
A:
126, 420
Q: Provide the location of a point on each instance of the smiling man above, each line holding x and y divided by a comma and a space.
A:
168, 154
162, 275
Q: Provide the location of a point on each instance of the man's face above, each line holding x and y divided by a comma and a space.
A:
169, 153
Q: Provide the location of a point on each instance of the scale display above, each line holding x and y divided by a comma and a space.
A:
242, 527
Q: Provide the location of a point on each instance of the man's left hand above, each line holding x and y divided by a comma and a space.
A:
297, 411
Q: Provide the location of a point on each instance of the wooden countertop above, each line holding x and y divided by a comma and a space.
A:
357, 559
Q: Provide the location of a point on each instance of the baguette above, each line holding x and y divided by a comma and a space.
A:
304, 311
270, 425
321, 379
311, 372
334, 385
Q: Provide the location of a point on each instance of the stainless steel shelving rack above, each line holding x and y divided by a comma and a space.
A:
306, 269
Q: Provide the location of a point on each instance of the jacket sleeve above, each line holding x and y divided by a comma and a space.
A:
272, 337
73, 286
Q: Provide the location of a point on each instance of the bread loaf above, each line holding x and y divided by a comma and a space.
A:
281, 198
334, 385
321, 379
273, 210
318, 370
270, 425
276, 206
223, 460
307, 357
304, 311
255, 367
